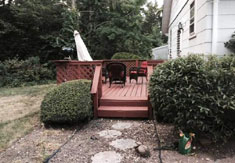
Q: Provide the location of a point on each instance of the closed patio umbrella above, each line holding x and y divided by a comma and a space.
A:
82, 52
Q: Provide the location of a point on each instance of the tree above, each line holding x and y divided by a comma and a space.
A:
65, 39
152, 24
44, 28
27, 28
113, 26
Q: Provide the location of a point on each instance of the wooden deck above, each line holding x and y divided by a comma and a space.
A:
131, 90
130, 101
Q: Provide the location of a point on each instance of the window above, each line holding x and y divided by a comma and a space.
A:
192, 19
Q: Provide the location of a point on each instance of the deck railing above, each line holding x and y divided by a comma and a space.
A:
151, 65
67, 70
96, 89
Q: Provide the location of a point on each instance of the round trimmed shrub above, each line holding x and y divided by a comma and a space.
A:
195, 94
69, 102
125, 55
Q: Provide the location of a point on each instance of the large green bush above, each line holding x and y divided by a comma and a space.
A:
17, 72
195, 94
69, 102
125, 55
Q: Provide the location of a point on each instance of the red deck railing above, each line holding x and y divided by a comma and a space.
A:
96, 89
67, 70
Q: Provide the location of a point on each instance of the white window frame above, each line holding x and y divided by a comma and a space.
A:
193, 33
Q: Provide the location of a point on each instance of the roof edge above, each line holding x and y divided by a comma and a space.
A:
166, 15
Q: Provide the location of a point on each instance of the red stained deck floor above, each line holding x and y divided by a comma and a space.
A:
130, 101
131, 90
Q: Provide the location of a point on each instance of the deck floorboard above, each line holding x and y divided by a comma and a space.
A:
129, 91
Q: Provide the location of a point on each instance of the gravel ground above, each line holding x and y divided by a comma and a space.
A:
36, 146
87, 142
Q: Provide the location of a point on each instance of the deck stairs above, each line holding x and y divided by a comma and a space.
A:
124, 107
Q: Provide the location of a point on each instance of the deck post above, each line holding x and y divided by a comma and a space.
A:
150, 109
96, 89
96, 105
136, 63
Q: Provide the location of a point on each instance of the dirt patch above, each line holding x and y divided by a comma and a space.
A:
14, 107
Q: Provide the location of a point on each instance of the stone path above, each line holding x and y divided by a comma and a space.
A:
115, 141
122, 144
107, 157
108, 141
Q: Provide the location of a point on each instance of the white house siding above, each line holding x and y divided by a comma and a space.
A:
202, 43
226, 25
160, 53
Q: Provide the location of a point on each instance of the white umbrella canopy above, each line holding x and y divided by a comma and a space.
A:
82, 52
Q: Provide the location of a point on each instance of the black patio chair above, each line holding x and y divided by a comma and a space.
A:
105, 74
116, 73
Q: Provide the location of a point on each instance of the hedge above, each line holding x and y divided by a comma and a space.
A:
15, 72
68, 103
125, 55
195, 94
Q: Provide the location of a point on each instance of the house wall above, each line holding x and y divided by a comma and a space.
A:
226, 25
202, 42
160, 53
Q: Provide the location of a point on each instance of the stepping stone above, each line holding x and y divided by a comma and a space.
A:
121, 125
123, 144
107, 157
110, 133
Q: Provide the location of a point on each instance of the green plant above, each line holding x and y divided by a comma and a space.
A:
194, 94
15, 72
231, 43
69, 102
125, 55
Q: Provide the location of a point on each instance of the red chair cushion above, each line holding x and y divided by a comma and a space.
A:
133, 72
144, 64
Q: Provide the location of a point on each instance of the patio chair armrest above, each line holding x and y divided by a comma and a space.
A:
133, 69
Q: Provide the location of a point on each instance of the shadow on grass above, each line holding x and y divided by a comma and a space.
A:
11, 131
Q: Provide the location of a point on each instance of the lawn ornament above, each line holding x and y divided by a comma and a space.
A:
185, 142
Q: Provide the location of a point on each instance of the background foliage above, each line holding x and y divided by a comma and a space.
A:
17, 72
124, 55
196, 95
28, 27
69, 102
45, 28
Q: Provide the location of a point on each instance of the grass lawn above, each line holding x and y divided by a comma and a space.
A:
19, 111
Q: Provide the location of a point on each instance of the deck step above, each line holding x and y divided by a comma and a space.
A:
123, 111
124, 102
